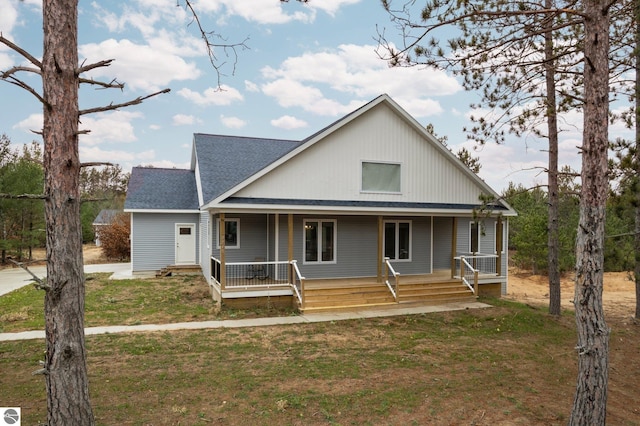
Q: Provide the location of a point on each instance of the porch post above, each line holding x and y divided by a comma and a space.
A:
454, 248
290, 244
223, 265
499, 239
380, 248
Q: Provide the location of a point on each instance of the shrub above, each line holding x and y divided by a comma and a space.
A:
115, 238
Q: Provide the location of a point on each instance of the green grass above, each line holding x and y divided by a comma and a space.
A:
509, 364
125, 302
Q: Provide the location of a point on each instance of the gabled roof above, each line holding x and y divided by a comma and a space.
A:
225, 161
161, 189
105, 217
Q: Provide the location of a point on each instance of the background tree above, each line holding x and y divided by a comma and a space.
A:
498, 40
101, 188
21, 220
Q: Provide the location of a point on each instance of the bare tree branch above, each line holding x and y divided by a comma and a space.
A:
113, 84
23, 196
21, 51
40, 283
112, 107
96, 163
207, 36
85, 68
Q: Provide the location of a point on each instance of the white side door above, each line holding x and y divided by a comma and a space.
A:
185, 243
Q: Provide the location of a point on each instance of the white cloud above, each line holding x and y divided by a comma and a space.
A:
291, 93
184, 120
288, 122
109, 127
232, 122
8, 17
262, 12
250, 86
356, 71
224, 96
140, 67
94, 153
32, 123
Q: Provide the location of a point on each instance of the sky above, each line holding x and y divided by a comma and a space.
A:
304, 67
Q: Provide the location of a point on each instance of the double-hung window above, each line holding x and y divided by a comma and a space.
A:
397, 240
320, 241
231, 233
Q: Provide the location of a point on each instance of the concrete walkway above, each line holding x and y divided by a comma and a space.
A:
15, 278
258, 322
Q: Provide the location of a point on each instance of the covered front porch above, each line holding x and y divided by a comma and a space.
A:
243, 283
371, 260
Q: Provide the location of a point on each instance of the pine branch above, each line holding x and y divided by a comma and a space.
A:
40, 283
112, 107
21, 51
23, 196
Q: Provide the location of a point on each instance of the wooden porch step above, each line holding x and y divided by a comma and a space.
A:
179, 270
367, 295
438, 292
353, 296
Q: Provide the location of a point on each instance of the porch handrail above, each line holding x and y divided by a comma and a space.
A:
297, 282
396, 278
466, 276
484, 263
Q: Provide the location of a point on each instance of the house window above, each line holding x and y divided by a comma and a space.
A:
231, 233
320, 241
397, 240
474, 237
380, 177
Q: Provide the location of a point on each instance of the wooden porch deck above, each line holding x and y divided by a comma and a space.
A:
358, 293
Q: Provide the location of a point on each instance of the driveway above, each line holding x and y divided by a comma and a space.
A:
14, 278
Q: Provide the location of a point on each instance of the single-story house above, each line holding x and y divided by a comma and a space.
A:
104, 218
370, 210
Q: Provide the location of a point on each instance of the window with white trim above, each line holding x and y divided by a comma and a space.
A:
397, 239
381, 177
231, 233
320, 241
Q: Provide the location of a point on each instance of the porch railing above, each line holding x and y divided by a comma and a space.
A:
468, 274
297, 283
246, 275
250, 274
484, 263
393, 288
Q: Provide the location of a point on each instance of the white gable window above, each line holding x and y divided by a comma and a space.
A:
381, 177
397, 240
231, 233
320, 241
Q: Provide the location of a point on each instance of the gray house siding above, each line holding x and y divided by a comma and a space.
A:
442, 231
253, 236
154, 237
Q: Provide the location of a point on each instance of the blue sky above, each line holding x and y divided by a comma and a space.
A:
305, 67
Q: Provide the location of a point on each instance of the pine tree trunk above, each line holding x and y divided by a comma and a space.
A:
65, 362
553, 239
636, 187
589, 407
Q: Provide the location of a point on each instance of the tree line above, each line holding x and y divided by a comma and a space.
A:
22, 221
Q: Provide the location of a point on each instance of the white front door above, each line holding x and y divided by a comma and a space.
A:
185, 243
